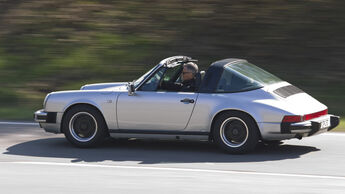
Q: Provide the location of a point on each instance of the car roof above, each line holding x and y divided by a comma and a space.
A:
223, 62
214, 73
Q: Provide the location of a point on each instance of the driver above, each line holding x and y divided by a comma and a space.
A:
189, 71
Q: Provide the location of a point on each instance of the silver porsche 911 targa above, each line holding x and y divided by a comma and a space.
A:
235, 104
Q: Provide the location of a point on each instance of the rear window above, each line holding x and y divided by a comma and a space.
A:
243, 76
255, 73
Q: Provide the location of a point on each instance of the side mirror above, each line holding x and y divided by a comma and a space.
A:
131, 89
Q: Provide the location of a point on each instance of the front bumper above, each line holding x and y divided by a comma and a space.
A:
311, 127
41, 116
49, 121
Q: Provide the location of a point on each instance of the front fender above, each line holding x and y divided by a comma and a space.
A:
104, 101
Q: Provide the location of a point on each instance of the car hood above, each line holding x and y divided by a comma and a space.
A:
105, 86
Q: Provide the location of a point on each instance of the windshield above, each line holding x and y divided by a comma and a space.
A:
255, 73
138, 81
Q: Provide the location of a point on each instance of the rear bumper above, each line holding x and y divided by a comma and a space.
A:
49, 121
311, 127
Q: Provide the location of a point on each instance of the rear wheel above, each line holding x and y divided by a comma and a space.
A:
84, 126
235, 132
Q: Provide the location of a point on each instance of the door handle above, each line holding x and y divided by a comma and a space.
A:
187, 100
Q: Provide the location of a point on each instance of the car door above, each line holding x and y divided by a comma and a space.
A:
150, 109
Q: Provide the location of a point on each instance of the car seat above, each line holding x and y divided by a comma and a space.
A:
198, 78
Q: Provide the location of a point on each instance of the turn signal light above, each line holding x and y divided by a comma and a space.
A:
293, 118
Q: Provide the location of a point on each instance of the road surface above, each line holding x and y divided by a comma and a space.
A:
33, 161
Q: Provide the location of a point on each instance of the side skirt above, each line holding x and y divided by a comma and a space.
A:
159, 134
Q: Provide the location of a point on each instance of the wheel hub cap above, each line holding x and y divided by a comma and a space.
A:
234, 132
83, 126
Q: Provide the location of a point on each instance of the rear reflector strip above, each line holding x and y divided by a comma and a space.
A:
300, 118
315, 115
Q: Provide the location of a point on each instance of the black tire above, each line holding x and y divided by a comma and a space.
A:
84, 126
235, 132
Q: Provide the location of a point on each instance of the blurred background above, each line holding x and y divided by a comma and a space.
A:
61, 45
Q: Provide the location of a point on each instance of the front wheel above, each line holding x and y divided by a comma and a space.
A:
84, 126
235, 132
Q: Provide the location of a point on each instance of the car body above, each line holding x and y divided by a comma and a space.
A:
235, 100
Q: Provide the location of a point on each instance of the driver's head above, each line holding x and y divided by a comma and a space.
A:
190, 69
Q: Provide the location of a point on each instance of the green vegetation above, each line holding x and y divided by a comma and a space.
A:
341, 127
58, 45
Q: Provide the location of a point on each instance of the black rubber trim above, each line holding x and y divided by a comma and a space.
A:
334, 122
41, 117
285, 128
158, 132
315, 127
51, 117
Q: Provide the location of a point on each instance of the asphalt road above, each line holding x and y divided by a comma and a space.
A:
33, 161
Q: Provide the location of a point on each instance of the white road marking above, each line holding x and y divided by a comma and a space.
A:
333, 134
17, 123
184, 170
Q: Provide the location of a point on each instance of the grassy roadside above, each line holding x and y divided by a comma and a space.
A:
17, 113
341, 127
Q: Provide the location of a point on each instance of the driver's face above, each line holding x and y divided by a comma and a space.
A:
187, 74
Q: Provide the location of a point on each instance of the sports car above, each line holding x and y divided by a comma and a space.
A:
235, 104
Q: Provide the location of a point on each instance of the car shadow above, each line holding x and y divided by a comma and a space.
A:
153, 152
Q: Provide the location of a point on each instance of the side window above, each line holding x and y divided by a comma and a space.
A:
232, 81
152, 83
172, 74
171, 80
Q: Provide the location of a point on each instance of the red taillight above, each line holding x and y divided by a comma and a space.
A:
315, 115
292, 119
299, 118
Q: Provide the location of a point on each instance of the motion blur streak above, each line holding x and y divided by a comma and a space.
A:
55, 45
